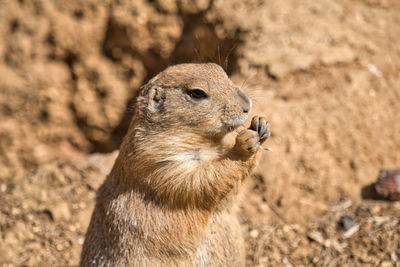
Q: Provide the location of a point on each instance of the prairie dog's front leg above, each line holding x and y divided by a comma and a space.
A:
241, 160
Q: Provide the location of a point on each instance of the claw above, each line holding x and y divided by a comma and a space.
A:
263, 126
266, 134
255, 123
264, 137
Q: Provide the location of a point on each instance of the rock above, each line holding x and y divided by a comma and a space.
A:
354, 229
379, 220
80, 241
286, 262
346, 222
388, 184
254, 233
394, 257
317, 237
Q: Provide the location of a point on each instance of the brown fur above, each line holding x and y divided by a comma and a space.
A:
170, 197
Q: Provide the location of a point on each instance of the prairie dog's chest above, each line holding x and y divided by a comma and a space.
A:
194, 157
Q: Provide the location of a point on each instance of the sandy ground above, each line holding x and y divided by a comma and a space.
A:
325, 73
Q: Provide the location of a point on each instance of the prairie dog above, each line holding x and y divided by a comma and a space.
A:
170, 197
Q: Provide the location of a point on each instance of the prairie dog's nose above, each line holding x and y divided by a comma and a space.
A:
246, 102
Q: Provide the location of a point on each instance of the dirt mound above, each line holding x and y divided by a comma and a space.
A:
324, 73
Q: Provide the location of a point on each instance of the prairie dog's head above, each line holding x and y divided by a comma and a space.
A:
198, 98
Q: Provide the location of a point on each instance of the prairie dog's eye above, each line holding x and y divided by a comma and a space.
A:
197, 93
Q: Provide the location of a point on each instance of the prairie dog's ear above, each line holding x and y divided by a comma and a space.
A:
155, 98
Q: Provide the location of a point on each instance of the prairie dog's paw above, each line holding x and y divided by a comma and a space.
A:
247, 142
261, 126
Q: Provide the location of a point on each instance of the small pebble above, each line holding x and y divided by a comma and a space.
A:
3, 188
254, 233
354, 229
80, 241
286, 262
394, 257
316, 236
59, 247
346, 222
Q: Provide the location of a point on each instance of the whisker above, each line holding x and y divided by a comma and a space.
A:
247, 79
227, 57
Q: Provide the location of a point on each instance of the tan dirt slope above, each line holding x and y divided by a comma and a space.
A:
325, 73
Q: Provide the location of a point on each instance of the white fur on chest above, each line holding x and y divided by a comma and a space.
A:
193, 158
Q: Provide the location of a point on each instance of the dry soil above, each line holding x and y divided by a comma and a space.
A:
325, 73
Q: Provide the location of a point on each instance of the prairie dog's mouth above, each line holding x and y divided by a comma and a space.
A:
236, 123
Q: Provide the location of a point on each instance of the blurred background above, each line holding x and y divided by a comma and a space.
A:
325, 74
